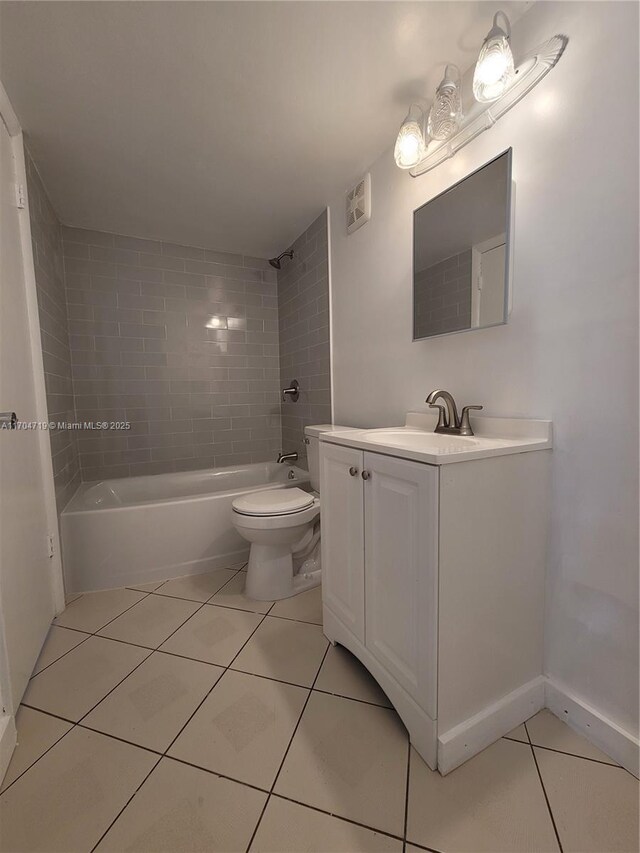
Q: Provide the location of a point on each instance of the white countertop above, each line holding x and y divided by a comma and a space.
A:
417, 440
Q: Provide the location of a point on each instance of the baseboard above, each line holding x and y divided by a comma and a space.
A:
468, 738
8, 741
617, 743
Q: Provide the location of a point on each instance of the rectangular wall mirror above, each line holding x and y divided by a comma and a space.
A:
461, 254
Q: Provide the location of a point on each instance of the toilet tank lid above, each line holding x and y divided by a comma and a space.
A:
315, 429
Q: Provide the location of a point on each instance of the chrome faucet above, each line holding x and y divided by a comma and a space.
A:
287, 457
448, 420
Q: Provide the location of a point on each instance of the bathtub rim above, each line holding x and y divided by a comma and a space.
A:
84, 487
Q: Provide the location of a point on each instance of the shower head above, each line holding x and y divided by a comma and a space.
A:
277, 262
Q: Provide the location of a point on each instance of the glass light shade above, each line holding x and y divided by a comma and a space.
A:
411, 147
445, 115
494, 70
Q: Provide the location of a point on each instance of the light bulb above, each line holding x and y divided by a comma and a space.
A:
445, 114
494, 70
411, 147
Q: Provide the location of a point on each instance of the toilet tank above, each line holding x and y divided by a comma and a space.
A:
312, 435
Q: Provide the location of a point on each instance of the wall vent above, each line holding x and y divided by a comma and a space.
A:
359, 204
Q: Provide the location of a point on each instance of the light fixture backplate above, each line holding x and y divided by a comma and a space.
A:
480, 117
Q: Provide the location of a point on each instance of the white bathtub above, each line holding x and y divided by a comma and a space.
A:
141, 529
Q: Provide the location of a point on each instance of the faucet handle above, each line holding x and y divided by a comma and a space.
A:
443, 421
465, 426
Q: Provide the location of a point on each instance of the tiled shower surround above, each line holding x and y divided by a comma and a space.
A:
303, 312
46, 240
180, 342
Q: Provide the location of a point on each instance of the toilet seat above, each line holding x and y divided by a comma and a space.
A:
273, 502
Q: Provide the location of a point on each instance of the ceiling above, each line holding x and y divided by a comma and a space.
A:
220, 124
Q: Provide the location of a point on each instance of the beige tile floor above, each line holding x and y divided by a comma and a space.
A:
183, 716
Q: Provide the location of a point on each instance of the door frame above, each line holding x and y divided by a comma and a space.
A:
7, 712
477, 251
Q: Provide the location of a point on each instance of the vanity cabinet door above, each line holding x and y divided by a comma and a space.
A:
401, 555
342, 537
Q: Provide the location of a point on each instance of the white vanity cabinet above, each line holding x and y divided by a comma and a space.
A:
433, 576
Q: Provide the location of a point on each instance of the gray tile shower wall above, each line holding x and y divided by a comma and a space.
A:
46, 238
303, 313
181, 342
442, 301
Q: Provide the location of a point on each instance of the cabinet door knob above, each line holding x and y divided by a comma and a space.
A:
353, 471
365, 475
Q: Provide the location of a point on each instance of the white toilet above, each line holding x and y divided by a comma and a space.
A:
283, 526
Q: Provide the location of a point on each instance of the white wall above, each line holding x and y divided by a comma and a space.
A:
569, 352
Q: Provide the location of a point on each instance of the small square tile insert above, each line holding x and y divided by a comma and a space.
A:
151, 621
349, 759
243, 728
214, 634
74, 684
150, 706
287, 651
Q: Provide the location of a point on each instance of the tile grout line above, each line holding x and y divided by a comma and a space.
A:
126, 804
544, 790
571, 754
286, 752
88, 633
164, 753
343, 818
75, 723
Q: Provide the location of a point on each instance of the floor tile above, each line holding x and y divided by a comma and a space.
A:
74, 684
306, 606
197, 587
150, 622
150, 706
94, 609
545, 729
181, 808
59, 641
290, 828
519, 733
232, 595
243, 728
595, 806
493, 803
214, 634
289, 651
36, 733
68, 799
349, 759
343, 674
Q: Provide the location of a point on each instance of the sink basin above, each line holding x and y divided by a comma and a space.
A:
417, 439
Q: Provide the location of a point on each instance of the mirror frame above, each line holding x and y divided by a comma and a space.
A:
508, 252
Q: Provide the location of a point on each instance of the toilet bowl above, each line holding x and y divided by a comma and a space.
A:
283, 527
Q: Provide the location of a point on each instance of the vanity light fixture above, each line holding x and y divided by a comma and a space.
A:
411, 146
497, 86
494, 70
445, 114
